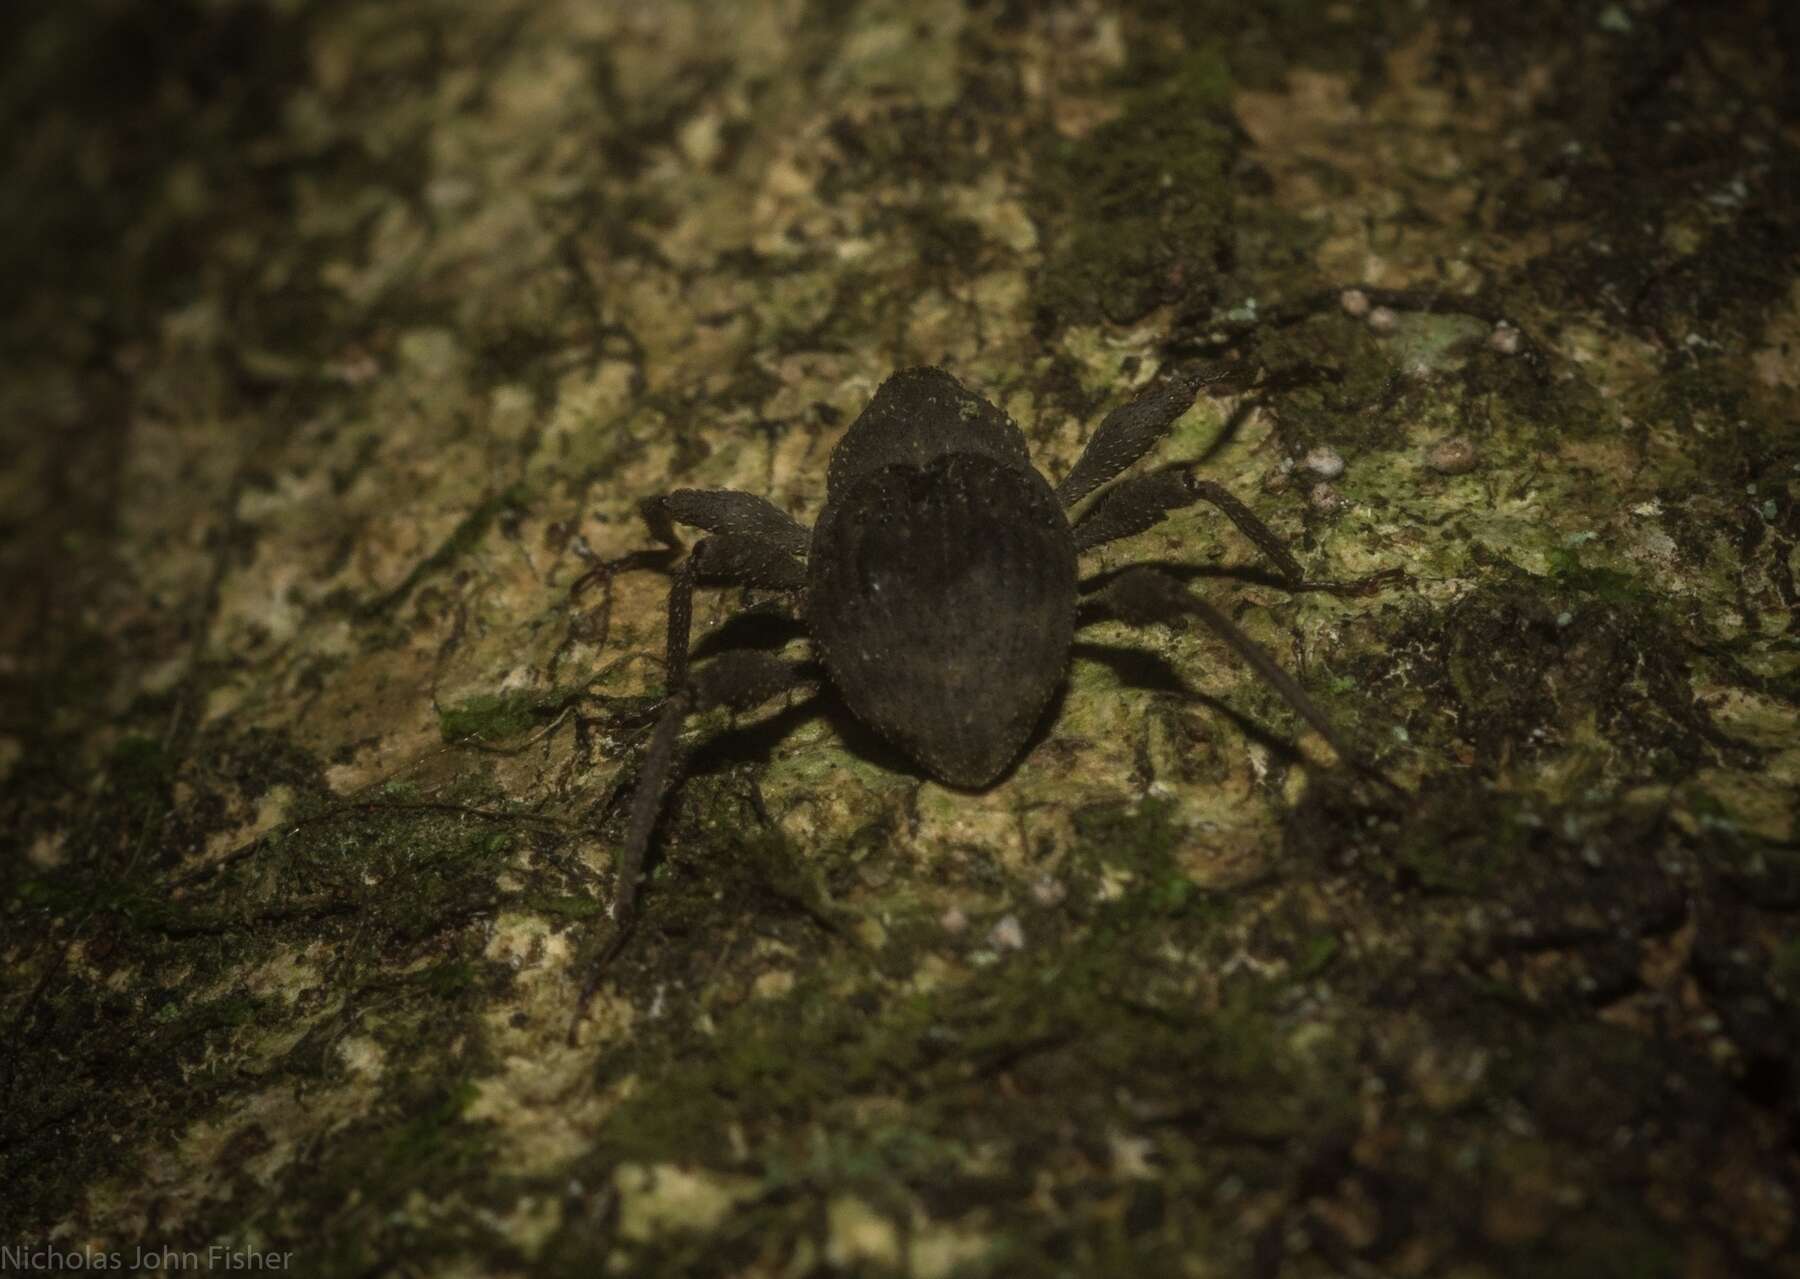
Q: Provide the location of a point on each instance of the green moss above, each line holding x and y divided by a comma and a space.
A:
562, 906
1602, 585
1103, 1011
1536, 664
139, 766
812, 1053
1104, 1015
1316, 956
1139, 212
1345, 386
1468, 841
1138, 836
1287, 1074
387, 888
1265, 40
418, 1150
496, 717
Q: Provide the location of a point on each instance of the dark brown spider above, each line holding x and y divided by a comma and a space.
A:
939, 586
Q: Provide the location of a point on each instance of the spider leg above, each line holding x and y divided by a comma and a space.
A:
723, 511
725, 559
604, 571
738, 680
1132, 430
1141, 502
1145, 596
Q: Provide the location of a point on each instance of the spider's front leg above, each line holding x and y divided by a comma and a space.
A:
727, 559
1125, 436
738, 680
723, 511
1132, 430
1141, 502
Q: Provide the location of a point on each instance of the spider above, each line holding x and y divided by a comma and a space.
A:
939, 586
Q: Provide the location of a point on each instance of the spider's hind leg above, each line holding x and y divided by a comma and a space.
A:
1147, 596
1139, 503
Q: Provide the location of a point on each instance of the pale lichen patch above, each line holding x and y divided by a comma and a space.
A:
857, 1235
658, 1199
363, 1057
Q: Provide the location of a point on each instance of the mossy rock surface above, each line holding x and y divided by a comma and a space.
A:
342, 341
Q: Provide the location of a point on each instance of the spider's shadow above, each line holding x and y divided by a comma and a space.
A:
1229, 432
767, 627
1145, 671
762, 627
750, 744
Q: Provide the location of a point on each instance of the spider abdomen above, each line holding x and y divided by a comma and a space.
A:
942, 601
